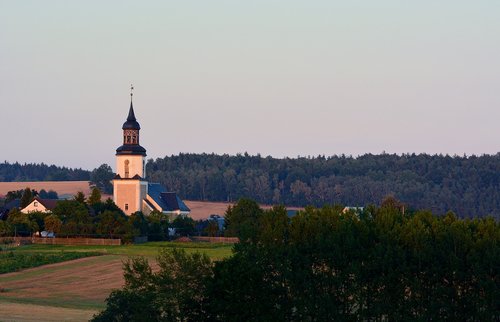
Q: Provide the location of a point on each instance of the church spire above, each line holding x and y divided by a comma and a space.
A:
131, 114
131, 123
131, 129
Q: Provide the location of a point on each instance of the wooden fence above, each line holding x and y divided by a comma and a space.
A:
224, 240
62, 241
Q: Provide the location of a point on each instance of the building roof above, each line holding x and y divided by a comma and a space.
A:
131, 123
136, 177
12, 204
168, 201
131, 149
8, 207
50, 204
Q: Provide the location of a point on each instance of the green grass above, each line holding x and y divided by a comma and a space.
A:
12, 261
215, 251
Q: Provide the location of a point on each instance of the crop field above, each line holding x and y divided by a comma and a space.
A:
77, 289
11, 261
61, 187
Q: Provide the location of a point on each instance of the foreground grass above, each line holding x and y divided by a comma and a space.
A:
13, 261
215, 251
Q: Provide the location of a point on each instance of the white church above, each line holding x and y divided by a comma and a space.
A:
131, 191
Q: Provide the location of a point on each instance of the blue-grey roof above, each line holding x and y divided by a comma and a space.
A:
8, 207
168, 201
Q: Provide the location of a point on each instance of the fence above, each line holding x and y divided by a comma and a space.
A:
63, 241
224, 240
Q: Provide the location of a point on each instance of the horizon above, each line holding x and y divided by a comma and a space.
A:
280, 79
348, 156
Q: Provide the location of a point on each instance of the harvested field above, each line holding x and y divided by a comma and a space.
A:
75, 290
31, 313
61, 187
203, 209
83, 283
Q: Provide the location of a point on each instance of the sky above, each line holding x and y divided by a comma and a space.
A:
279, 78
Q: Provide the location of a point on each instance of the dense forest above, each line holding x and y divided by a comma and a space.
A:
40, 172
467, 185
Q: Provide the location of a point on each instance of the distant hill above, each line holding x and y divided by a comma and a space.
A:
467, 185
40, 172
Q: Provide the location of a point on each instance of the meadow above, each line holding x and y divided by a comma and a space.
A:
78, 287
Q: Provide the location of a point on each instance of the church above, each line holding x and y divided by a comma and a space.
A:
131, 191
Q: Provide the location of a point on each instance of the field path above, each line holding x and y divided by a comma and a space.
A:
80, 286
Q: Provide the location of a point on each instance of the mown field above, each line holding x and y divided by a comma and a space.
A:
78, 287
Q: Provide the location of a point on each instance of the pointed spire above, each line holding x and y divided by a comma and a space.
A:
131, 122
131, 114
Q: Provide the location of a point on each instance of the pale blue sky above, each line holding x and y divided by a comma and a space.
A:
281, 78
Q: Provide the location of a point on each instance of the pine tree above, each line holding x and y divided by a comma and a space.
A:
26, 198
95, 196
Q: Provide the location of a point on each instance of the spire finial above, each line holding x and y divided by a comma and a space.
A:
131, 91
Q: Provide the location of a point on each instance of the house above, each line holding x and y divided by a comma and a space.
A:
41, 205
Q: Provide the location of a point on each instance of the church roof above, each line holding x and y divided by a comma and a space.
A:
132, 149
168, 201
131, 123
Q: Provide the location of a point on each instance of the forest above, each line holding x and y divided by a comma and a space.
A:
466, 185
40, 172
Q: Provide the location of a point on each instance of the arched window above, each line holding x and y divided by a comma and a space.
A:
127, 162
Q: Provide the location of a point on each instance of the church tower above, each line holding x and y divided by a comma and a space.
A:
130, 187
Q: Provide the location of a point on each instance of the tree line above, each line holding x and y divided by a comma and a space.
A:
325, 264
467, 185
91, 217
40, 172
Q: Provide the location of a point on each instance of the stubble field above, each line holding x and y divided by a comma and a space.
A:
76, 290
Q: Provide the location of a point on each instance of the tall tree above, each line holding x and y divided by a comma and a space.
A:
95, 196
242, 219
27, 197
102, 177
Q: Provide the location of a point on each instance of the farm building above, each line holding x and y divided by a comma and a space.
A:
41, 205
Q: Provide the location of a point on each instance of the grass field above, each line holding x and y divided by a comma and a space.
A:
12, 261
78, 287
214, 250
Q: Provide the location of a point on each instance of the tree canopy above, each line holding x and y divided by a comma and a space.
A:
40, 172
467, 185
327, 265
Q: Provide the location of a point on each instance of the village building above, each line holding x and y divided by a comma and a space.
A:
40, 205
131, 191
